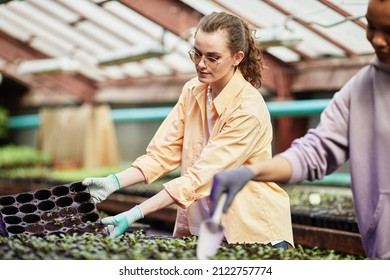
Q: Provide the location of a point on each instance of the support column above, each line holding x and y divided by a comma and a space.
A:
279, 78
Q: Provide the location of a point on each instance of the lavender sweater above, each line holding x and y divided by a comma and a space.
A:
355, 126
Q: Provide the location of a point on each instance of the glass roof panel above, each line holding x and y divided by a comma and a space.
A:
313, 44
257, 12
134, 69
85, 29
35, 30
13, 29
46, 47
350, 35
156, 67
329, 22
353, 7
146, 29
204, 6
179, 63
103, 18
100, 35
284, 54
58, 11
311, 12
54, 26
115, 73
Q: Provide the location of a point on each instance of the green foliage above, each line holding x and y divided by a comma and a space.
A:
73, 175
312, 197
3, 123
138, 246
13, 156
49, 174
26, 173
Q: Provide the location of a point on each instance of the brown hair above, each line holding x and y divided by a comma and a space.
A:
240, 38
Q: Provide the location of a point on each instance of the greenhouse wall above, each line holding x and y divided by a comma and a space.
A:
132, 137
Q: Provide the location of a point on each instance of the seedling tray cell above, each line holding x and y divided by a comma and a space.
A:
59, 209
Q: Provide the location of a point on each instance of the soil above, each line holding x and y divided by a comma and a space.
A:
52, 226
50, 216
70, 222
35, 228
94, 228
68, 211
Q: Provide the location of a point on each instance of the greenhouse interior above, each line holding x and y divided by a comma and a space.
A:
85, 85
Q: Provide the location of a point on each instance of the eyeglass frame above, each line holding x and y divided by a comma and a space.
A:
207, 59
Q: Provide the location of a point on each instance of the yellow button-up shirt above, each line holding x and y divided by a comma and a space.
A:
241, 134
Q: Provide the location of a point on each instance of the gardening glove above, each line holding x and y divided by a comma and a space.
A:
101, 188
118, 224
230, 182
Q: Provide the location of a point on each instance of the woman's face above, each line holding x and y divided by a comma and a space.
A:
378, 28
213, 59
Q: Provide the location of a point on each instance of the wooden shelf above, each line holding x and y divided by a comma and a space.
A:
324, 238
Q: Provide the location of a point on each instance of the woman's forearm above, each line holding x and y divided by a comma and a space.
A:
159, 201
130, 176
277, 169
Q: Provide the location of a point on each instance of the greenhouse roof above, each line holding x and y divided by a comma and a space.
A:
88, 44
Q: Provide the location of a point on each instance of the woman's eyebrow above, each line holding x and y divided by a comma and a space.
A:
208, 53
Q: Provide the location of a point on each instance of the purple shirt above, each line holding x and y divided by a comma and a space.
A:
355, 126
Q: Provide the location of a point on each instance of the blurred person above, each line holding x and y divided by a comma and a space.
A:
219, 122
355, 126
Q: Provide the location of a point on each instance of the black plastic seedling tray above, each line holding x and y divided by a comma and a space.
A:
59, 209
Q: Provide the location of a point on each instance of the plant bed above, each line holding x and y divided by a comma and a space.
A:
326, 218
324, 207
138, 246
52, 210
12, 156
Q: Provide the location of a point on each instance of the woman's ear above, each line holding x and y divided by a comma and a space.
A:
238, 57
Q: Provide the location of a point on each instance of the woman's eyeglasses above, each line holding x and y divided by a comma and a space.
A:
209, 61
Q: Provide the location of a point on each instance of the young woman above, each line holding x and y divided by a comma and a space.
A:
220, 121
354, 126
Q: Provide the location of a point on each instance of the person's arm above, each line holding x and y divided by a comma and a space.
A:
101, 187
278, 169
159, 201
130, 176
117, 225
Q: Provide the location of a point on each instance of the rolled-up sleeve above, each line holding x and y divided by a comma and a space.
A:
164, 152
324, 148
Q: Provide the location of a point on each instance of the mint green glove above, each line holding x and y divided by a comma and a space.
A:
118, 224
101, 188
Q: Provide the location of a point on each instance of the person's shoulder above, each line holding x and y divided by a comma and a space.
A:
363, 76
252, 103
194, 86
251, 96
192, 83
371, 69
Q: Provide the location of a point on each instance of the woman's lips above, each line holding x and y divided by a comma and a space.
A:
203, 74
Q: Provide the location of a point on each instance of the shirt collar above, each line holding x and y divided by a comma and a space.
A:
385, 67
229, 92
